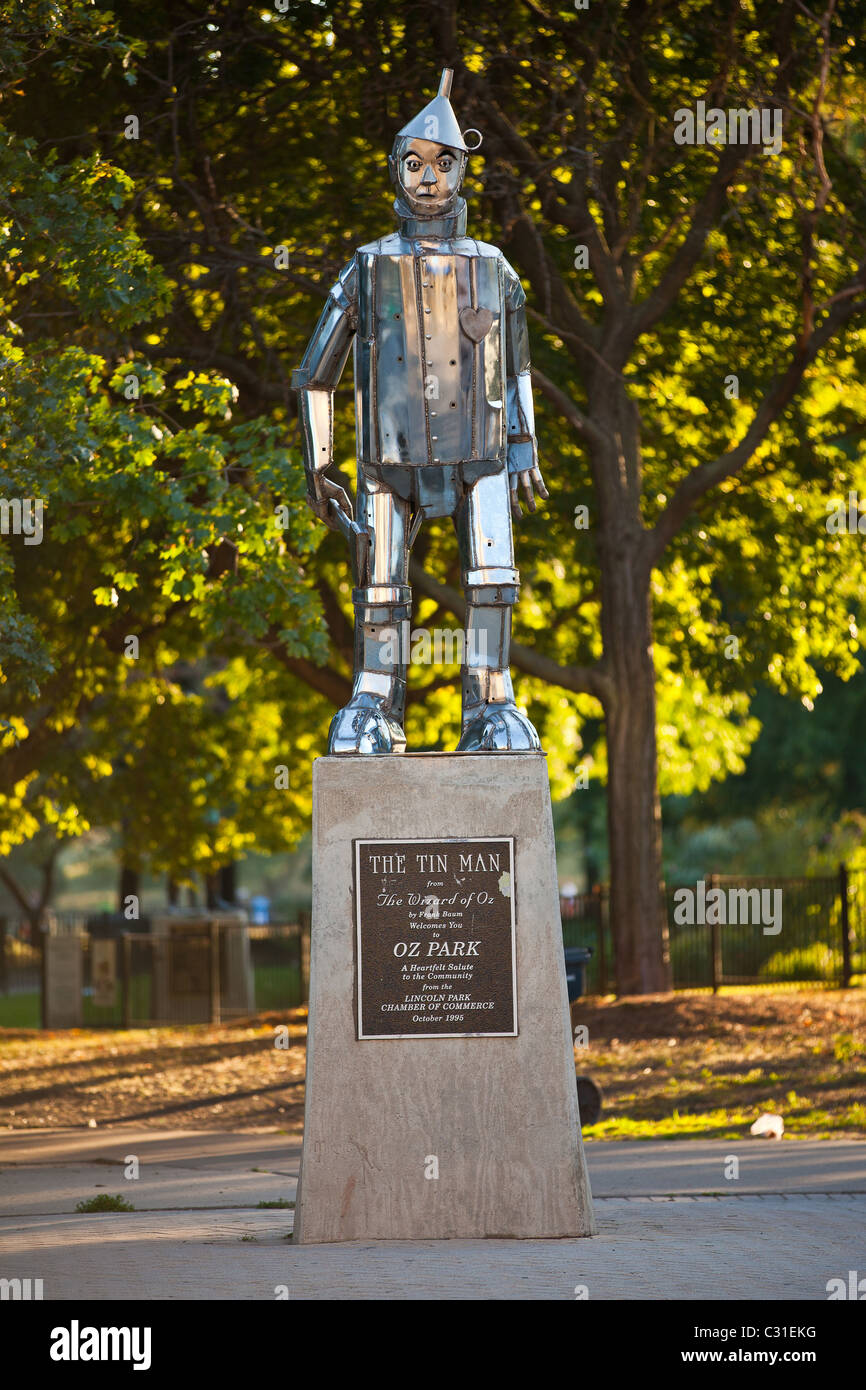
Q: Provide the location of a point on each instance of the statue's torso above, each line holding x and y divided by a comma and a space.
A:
430, 351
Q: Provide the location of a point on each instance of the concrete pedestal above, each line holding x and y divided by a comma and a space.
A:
64, 980
497, 1114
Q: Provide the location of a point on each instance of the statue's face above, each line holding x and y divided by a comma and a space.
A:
429, 176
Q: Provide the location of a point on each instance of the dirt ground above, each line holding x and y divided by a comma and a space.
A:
694, 1066
683, 1066
229, 1077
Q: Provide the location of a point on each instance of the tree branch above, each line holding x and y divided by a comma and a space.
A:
778, 396
580, 423
48, 871
339, 627
686, 257
331, 684
29, 754
583, 680
15, 891
241, 372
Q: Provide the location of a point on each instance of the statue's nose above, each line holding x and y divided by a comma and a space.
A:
428, 175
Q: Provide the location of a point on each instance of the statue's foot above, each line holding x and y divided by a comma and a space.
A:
499, 729
365, 729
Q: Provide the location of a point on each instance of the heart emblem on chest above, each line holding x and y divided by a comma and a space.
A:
476, 323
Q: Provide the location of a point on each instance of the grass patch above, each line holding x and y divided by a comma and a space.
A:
104, 1202
695, 1067
807, 1122
280, 1205
19, 1010
277, 986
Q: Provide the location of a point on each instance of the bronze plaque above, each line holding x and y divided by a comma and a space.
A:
435, 938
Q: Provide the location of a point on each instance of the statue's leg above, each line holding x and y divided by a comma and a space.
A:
491, 720
372, 721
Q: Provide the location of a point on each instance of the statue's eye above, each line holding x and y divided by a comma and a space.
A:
445, 165
413, 164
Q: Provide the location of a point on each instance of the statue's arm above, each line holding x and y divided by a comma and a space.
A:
315, 382
522, 445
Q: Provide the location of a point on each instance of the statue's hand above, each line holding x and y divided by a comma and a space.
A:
319, 492
531, 481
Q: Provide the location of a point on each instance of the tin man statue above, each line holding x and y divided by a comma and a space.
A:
445, 427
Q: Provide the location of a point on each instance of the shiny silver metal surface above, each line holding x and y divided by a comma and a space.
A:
445, 427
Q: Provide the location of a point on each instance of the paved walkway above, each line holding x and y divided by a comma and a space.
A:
46, 1172
794, 1218
647, 1248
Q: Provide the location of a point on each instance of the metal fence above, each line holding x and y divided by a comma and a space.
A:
752, 931
586, 922
209, 970
191, 971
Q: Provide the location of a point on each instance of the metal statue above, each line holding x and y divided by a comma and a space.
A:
445, 427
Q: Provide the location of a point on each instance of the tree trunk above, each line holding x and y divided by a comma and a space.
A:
228, 878
638, 925
128, 886
211, 888
637, 920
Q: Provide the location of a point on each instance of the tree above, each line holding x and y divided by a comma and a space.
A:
697, 346
654, 219
169, 534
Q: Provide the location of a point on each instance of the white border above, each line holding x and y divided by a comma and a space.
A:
425, 840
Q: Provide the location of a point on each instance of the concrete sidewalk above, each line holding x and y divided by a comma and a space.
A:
712, 1248
694, 1167
178, 1169
51, 1171
794, 1218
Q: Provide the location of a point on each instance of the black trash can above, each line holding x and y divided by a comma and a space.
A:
575, 970
588, 1100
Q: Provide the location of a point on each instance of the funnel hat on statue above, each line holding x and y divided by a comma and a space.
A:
437, 121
